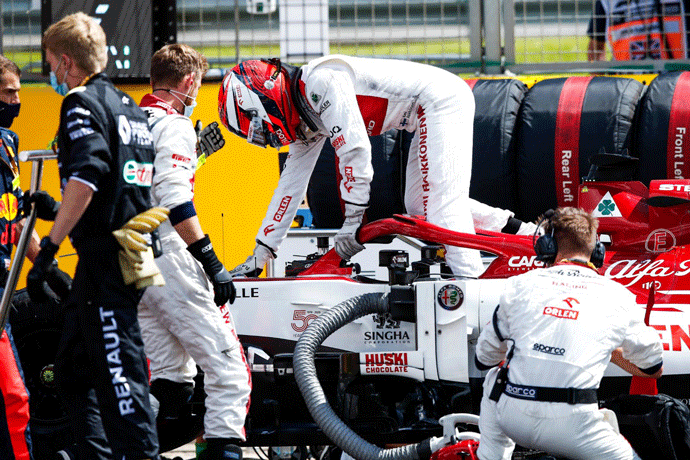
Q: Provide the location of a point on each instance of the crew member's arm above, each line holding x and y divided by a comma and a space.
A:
84, 162
627, 366
75, 199
175, 166
491, 347
596, 50
596, 31
493, 341
487, 217
291, 189
32, 248
641, 345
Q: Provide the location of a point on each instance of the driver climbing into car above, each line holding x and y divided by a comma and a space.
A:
553, 335
346, 99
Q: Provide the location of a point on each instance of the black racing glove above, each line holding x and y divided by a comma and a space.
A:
210, 139
223, 287
45, 273
46, 206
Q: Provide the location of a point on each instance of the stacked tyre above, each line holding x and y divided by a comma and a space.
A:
493, 164
532, 148
493, 152
661, 129
563, 122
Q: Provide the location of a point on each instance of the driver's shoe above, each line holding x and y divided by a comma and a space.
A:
221, 449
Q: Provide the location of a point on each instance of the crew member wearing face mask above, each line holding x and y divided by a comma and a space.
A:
105, 161
187, 321
14, 435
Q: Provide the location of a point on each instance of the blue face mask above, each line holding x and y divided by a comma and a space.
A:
188, 109
61, 88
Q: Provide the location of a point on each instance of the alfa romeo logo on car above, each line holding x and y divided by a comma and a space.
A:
606, 207
450, 297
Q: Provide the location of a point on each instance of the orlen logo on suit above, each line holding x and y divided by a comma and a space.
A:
278, 216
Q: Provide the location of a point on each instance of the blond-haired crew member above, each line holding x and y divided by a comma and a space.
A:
187, 321
560, 324
105, 159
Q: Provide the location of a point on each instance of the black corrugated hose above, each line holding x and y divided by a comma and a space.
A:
308, 383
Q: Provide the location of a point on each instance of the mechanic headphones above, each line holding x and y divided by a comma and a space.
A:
546, 248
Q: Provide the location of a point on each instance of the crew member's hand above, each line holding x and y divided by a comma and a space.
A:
58, 281
45, 271
255, 263
46, 206
210, 139
223, 288
346, 244
529, 229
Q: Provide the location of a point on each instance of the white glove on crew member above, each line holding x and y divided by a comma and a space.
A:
254, 265
346, 244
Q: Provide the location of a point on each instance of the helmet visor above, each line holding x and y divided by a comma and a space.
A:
259, 134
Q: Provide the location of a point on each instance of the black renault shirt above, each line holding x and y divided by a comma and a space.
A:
104, 141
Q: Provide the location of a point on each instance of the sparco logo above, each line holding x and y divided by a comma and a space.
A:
529, 393
547, 349
284, 203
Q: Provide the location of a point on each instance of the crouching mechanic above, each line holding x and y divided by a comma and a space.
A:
187, 321
346, 99
555, 329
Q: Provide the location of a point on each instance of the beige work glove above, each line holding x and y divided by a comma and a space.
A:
136, 256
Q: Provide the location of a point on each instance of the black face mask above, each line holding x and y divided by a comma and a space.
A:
8, 112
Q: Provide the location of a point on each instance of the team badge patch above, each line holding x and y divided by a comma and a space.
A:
450, 297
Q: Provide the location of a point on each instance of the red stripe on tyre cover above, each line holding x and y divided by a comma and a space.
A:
677, 164
373, 111
567, 139
471, 82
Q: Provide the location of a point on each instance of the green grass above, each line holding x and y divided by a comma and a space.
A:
527, 50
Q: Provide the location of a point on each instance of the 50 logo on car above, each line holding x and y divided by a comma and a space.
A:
304, 318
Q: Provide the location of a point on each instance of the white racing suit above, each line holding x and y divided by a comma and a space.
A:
351, 98
565, 321
181, 324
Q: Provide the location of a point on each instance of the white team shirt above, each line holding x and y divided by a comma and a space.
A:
565, 321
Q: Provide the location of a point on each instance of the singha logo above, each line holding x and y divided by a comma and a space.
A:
386, 321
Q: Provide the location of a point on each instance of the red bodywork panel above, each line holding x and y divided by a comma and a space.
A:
649, 235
